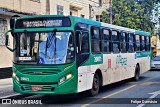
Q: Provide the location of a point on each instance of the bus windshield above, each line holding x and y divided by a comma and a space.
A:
44, 48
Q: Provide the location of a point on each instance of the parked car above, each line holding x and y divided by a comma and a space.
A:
156, 62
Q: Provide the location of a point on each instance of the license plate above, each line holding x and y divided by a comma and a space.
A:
36, 88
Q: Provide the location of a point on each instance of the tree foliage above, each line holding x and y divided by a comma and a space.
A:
134, 14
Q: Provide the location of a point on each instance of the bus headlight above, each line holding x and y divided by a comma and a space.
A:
14, 75
64, 78
69, 76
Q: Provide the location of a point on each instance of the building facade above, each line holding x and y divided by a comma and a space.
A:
91, 9
8, 8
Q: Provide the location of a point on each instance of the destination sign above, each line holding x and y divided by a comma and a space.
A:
43, 22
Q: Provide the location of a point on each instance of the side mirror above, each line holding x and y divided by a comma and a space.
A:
6, 42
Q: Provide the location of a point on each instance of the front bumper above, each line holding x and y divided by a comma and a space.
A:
67, 87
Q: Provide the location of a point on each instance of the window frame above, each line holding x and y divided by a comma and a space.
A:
126, 41
133, 41
83, 32
99, 40
118, 41
148, 45
110, 40
136, 43
142, 44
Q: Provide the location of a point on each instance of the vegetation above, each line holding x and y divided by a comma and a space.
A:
132, 14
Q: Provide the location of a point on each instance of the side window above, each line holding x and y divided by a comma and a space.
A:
123, 40
106, 41
142, 44
85, 43
115, 42
96, 40
130, 42
148, 41
137, 43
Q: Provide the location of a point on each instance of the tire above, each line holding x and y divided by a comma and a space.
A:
95, 85
137, 73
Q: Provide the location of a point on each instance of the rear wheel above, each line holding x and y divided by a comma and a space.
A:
137, 73
95, 85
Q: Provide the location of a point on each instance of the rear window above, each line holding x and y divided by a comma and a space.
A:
157, 58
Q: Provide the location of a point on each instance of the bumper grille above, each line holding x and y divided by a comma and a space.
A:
39, 83
40, 71
44, 88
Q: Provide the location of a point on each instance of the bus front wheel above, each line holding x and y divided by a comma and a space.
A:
95, 85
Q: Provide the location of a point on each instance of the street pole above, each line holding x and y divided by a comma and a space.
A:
90, 11
110, 7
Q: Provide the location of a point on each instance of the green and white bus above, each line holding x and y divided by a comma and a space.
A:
56, 54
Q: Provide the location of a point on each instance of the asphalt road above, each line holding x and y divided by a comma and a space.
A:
122, 94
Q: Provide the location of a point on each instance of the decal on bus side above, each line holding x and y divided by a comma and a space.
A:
120, 60
98, 59
24, 79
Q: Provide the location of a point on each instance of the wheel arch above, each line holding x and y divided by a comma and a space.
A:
99, 72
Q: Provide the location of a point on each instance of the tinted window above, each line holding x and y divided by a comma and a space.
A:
137, 43
114, 35
106, 41
123, 41
130, 44
115, 42
148, 43
142, 43
85, 43
95, 33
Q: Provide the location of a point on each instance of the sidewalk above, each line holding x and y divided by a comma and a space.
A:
6, 88
7, 81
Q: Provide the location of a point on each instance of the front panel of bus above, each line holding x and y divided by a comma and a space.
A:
44, 56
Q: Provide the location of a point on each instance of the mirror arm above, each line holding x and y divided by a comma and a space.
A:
6, 34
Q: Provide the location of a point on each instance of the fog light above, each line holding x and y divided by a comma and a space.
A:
22, 88
68, 76
14, 74
62, 80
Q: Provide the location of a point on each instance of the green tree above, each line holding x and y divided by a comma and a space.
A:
135, 14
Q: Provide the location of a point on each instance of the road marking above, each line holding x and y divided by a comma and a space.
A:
108, 96
155, 94
149, 83
4, 97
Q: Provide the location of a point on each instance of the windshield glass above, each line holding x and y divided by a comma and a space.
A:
44, 48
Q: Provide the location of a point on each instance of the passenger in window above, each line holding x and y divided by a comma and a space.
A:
106, 46
115, 48
96, 41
